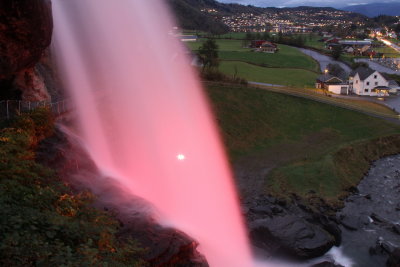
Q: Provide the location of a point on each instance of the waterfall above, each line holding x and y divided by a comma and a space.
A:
145, 120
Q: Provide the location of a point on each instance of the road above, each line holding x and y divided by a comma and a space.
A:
324, 60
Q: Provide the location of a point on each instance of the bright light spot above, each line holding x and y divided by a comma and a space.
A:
181, 157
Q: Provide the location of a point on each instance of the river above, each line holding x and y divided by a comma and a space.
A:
375, 211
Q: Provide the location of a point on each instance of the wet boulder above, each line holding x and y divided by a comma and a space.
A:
327, 264
291, 235
394, 259
165, 246
349, 221
396, 228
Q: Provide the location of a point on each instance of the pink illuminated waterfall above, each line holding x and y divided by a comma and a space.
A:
145, 120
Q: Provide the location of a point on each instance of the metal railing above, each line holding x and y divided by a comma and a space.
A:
11, 108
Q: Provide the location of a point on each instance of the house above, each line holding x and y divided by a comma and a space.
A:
355, 43
368, 82
256, 43
268, 47
349, 49
188, 38
332, 84
334, 40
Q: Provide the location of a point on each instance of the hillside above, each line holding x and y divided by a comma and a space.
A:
190, 17
206, 15
376, 9
300, 140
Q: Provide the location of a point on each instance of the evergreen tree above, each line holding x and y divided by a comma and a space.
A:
208, 54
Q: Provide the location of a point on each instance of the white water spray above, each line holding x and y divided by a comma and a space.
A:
144, 118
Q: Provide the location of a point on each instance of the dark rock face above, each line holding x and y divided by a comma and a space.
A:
394, 259
25, 32
350, 222
326, 264
32, 85
166, 246
290, 229
294, 235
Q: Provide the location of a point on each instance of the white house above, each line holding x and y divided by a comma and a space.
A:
368, 82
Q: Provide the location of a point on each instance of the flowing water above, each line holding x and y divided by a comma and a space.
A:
145, 121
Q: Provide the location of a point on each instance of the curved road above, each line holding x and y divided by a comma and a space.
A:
324, 60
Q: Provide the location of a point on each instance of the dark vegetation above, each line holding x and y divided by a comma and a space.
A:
209, 58
43, 222
394, 77
280, 38
190, 17
208, 54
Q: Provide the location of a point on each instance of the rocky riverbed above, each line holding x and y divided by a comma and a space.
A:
370, 220
367, 229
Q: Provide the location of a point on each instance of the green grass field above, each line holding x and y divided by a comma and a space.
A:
287, 67
283, 76
286, 57
314, 42
234, 35
301, 137
387, 51
223, 45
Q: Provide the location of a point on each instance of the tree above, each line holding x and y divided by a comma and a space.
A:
335, 70
208, 54
336, 51
356, 65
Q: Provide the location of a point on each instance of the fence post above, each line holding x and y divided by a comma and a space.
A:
8, 114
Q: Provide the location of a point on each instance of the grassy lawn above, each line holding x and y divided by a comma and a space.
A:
282, 76
387, 51
223, 45
234, 35
287, 57
313, 146
355, 104
314, 41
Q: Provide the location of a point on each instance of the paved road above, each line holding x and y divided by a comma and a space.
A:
267, 84
324, 60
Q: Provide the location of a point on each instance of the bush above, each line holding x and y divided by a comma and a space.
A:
215, 75
42, 222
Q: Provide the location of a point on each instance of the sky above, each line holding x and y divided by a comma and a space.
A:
291, 3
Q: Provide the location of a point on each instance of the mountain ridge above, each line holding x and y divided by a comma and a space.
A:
375, 9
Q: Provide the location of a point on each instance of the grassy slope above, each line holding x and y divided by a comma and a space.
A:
287, 57
286, 76
388, 51
287, 60
307, 135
